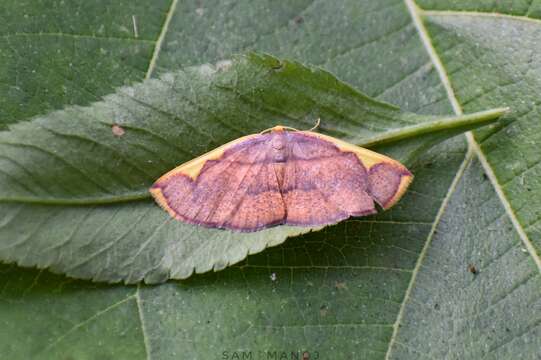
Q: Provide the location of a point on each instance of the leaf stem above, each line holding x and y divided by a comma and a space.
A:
457, 122
102, 200
453, 122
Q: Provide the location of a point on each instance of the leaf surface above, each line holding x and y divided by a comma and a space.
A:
75, 195
397, 285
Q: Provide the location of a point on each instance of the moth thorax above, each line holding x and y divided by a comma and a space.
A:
278, 146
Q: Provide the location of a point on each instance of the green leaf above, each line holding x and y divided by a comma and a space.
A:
72, 191
396, 285
50, 60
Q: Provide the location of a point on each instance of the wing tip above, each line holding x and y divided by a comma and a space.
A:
405, 181
157, 194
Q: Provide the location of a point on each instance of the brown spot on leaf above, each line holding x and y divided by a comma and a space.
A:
340, 285
117, 130
473, 269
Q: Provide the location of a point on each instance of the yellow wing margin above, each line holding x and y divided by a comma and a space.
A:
192, 169
160, 199
370, 158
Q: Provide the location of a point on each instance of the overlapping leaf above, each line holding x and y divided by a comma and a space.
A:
75, 195
395, 286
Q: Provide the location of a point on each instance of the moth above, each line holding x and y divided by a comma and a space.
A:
281, 176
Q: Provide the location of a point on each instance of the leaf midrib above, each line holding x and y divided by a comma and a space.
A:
457, 108
422, 254
77, 36
140, 312
383, 138
481, 14
414, 12
473, 149
159, 42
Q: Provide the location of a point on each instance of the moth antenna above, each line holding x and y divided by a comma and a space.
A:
318, 121
280, 127
277, 128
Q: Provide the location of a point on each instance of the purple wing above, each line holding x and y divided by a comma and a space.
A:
323, 185
238, 191
280, 178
